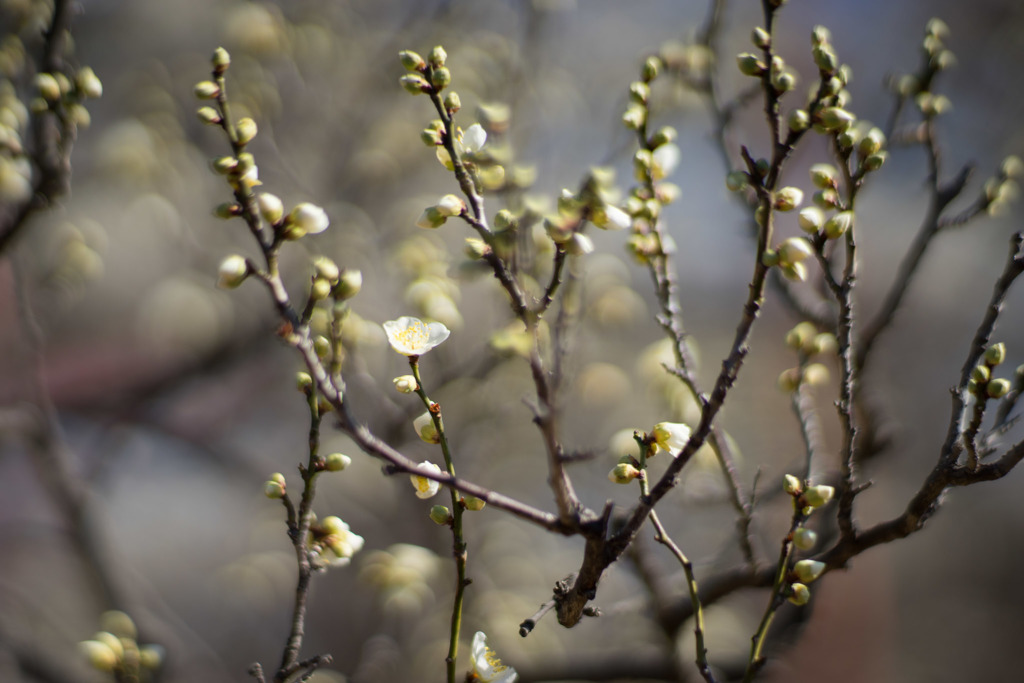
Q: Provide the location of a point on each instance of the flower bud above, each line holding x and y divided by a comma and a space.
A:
579, 244
308, 219
209, 115
320, 289
437, 57
634, 116
826, 199
414, 84
451, 205
224, 165
246, 130
99, 655
431, 218
48, 87
303, 381
650, 68
452, 102
336, 462
875, 161
815, 375
823, 343
406, 384
639, 92
788, 198
995, 354
88, 83
760, 38
206, 90
274, 488
998, 388
783, 81
425, 488
424, 426
440, 78
411, 60
837, 226
808, 570
981, 374
441, 515
800, 336
232, 272
473, 503
227, 210
794, 250
350, 282
872, 142
322, 346
804, 538
151, 657
816, 496
749, 64
825, 59
792, 485
797, 272
623, 473
789, 380
823, 175
799, 120
811, 219
221, 60
1012, 167
770, 258
836, 119
799, 594
270, 207
820, 36
736, 181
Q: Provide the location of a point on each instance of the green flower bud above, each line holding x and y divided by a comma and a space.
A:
749, 64
847, 139
823, 343
504, 219
792, 485
221, 60
322, 346
826, 199
789, 380
414, 84
639, 92
1012, 167
794, 250
981, 374
800, 336
808, 570
451, 205
437, 57
206, 90
872, 142
227, 210
797, 272
995, 354
998, 388
762, 166
770, 258
88, 83
99, 655
273, 489
350, 282
811, 219
623, 473
788, 198
424, 426
837, 226
209, 115
151, 657
441, 515
432, 137
836, 119
320, 289
799, 120
784, 81
440, 78
303, 382
406, 384
473, 503
824, 175
736, 181
799, 594
650, 68
411, 60
760, 38
432, 217
820, 36
336, 462
48, 87
232, 272
224, 165
663, 136
475, 248
875, 161
804, 538
452, 102
634, 116
816, 496
825, 59
326, 268
815, 375
246, 130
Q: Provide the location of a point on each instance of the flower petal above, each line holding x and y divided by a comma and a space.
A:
474, 138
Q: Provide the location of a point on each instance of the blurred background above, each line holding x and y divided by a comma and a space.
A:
176, 401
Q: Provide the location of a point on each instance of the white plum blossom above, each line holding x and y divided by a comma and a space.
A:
487, 668
469, 141
412, 337
615, 218
671, 436
338, 544
426, 488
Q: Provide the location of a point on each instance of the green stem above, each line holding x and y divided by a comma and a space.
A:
458, 542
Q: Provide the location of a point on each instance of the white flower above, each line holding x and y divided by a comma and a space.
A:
665, 158
671, 436
426, 488
615, 218
469, 141
309, 218
412, 337
424, 426
486, 665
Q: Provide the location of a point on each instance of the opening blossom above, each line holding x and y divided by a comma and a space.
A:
426, 488
413, 337
469, 142
671, 436
486, 665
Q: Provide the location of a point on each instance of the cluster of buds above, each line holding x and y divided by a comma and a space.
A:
435, 216
789, 257
426, 75
115, 650
593, 204
807, 342
936, 58
803, 573
331, 543
807, 498
1000, 189
982, 384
